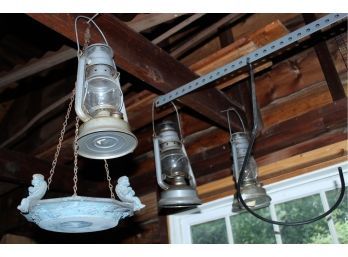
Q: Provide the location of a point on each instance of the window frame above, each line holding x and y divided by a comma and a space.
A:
315, 182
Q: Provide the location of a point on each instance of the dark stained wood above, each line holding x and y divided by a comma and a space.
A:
18, 168
225, 36
36, 118
328, 67
34, 66
303, 127
177, 28
290, 76
10, 216
196, 39
141, 58
142, 22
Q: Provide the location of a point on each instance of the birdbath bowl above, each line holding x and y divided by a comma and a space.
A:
78, 214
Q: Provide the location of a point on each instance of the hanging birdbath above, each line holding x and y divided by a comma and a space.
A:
79, 214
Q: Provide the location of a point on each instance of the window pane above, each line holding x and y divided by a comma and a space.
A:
247, 229
212, 232
302, 209
340, 215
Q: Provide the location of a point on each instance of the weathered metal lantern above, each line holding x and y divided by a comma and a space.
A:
105, 134
253, 193
173, 170
99, 104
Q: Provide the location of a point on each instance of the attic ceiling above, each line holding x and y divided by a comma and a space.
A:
303, 107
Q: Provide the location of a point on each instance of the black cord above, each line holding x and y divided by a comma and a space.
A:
295, 223
246, 160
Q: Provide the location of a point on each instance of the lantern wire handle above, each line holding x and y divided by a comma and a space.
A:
229, 122
177, 116
93, 22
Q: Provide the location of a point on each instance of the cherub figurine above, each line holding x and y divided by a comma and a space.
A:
127, 194
36, 192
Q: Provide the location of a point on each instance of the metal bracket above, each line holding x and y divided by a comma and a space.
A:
254, 56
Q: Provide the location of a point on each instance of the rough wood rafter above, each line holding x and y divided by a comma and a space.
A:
196, 39
143, 22
49, 60
18, 168
176, 28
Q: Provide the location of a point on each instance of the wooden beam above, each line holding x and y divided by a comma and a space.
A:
35, 119
198, 38
225, 36
49, 60
145, 21
327, 65
238, 48
176, 28
296, 104
141, 58
18, 168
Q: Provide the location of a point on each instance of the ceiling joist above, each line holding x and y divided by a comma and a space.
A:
143, 22
49, 60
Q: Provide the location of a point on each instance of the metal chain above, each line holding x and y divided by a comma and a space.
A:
109, 179
76, 154
60, 140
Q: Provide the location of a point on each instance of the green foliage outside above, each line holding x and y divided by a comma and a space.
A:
212, 232
248, 229
303, 209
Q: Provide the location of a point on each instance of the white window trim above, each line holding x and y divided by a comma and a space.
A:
318, 181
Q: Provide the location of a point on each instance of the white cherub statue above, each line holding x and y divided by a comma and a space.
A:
36, 192
127, 194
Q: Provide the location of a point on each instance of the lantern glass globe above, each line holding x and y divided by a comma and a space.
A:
102, 94
174, 163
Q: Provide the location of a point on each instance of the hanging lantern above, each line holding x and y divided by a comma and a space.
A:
253, 193
250, 194
173, 170
99, 104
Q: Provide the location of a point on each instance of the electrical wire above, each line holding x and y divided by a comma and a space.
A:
246, 160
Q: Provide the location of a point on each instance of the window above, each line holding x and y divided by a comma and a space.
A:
298, 198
